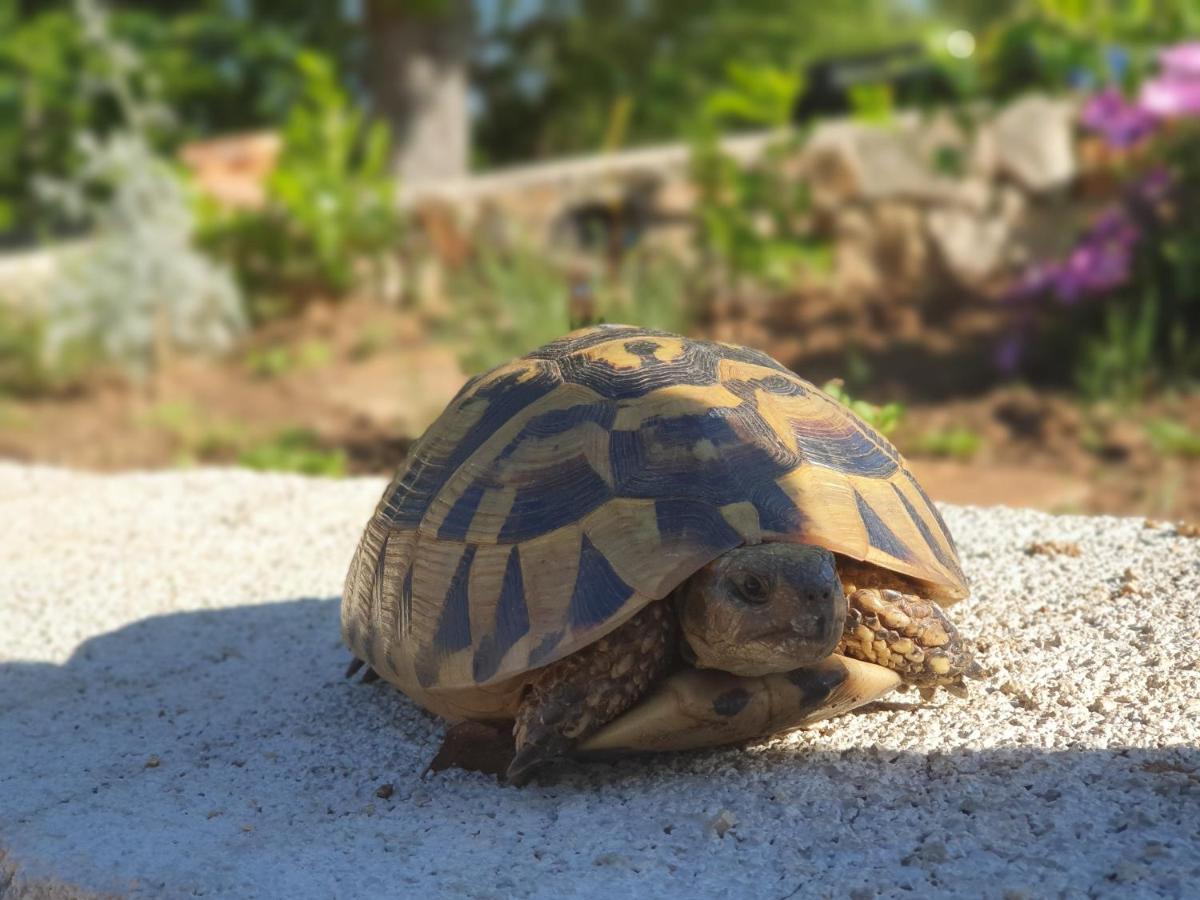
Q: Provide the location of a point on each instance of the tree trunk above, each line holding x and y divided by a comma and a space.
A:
419, 63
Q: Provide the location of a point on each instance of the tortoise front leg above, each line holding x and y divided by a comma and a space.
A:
909, 634
696, 708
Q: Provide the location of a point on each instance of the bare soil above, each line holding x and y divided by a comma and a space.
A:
365, 380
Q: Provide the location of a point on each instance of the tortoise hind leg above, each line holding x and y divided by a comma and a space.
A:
697, 708
577, 695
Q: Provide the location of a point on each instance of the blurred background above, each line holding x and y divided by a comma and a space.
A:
281, 235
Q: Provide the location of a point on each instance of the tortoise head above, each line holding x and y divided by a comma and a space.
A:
764, 608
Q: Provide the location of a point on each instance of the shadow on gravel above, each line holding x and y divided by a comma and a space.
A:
222, 749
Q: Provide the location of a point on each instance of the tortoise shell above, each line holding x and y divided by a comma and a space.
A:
560, 493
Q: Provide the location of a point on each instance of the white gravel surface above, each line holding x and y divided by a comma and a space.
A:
173, 722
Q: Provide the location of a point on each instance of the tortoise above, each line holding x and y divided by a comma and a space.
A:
628, 540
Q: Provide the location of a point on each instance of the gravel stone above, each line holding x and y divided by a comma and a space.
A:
174, 722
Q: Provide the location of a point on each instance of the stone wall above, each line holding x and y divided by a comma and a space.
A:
917, 201
952, 199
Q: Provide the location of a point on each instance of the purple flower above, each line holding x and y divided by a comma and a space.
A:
1120, 122
1092, 268
1171, 97
1182, 60
1113, 227
1009, 353
1101, 260
1176, 91
1153, 187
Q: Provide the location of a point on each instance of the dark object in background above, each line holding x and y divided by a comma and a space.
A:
914, 78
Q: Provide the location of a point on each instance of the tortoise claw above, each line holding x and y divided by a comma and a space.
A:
368, 676
958, 689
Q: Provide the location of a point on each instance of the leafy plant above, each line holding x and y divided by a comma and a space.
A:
218, 67
956, 442
277, 360
1172, 438
752, 217
373, 338
197, 436
24, 368
269, 362
295, 450
1124, 303
1119, 363
138, 290
872, 103
510, 301
885, 419
331, 203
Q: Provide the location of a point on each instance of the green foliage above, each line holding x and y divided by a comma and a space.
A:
755, 95
649, 290
42, 105
551, 74
331, 200
872, 103
1146, 332
295, 450
270, 362
197, 435
373, 338
137, 289
1119, 364
751, 217
511, 301
214, 69
507, 303
277, 360
957, 442
1056, 44
884, 419
1172, 438
24, 370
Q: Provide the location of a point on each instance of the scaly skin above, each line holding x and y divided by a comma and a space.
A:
572, 698
909, 635
576, 695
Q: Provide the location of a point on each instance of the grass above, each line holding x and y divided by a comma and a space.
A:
373, 338
1170, 438
277, 361
294, 450
25, 368
202, 439
885, 419
512, 301
957, 442
198, 436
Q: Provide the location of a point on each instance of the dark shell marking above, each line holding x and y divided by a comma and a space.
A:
711, 436
731, 702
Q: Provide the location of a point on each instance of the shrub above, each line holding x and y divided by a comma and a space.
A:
138, 289
1123, 306
331, 203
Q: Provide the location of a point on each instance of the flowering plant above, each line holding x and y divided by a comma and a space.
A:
1133, 273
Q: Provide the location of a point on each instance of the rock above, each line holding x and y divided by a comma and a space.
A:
972, 246
851, 161
1031, 142
882, 245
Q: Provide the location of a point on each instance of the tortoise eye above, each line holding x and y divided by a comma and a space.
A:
752, 589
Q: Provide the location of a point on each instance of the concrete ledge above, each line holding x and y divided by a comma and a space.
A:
173, 722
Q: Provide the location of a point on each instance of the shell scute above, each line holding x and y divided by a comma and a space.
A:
562, 492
